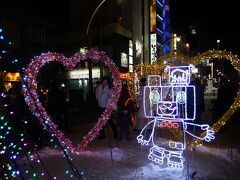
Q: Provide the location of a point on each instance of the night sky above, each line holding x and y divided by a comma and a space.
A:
212, 19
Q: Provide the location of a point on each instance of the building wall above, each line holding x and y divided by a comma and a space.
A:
146, 32
137, 31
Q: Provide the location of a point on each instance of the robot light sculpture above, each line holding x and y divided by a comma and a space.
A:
171, 105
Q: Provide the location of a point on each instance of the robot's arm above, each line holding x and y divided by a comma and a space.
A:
208, 132
140, 137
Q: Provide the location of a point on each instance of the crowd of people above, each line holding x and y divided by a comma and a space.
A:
120, 119
127, 115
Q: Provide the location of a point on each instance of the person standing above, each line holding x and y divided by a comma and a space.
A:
200, 104
103, 95
141, 118
124, 115
95, 91
57, 106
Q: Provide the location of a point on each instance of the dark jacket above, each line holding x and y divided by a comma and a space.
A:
124, 112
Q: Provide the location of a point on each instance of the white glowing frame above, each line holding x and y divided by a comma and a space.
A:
161, 110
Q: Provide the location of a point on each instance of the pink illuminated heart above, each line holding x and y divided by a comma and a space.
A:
31, 95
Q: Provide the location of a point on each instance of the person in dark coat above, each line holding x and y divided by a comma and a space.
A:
124, 114
57, 106
200, 106
224, 97
227, 92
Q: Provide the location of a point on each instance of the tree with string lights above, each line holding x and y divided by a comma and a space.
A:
19, 156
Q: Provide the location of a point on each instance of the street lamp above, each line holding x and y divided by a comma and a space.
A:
187, 46
218, 42
90, 21
175, 40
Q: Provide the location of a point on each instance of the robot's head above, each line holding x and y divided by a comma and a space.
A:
179, 75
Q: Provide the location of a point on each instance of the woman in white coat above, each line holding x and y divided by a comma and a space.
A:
103, 95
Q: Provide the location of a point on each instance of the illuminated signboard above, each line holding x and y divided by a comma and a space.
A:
84, 74
130, 56
124, 75
153, 39
11, 76
130, 48
124, 60
130, 68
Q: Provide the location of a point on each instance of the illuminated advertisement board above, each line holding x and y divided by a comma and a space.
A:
153, 41
153, 16
124, 60
84, 74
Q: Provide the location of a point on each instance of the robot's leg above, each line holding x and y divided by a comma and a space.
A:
175, 159
156, 154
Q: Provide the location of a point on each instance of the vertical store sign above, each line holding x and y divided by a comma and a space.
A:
153, 29
130, 56
153, 41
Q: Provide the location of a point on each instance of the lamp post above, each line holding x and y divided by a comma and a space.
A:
90, 21
89, 44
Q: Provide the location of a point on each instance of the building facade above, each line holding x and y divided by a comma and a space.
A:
159, 29
130, 32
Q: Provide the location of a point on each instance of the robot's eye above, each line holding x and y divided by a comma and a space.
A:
154, 96
181, 97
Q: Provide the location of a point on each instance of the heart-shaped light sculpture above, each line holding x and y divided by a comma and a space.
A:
29, 89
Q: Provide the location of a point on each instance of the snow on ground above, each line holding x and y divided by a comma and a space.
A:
127, 160
230, 155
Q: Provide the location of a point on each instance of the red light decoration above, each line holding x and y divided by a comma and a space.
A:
169, 124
